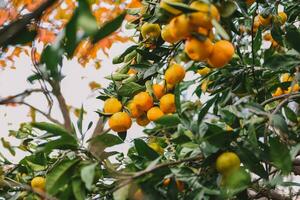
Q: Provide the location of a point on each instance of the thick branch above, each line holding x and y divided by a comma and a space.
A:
18, 26
291, 96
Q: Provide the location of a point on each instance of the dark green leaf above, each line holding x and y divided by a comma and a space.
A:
78, 189
205, 109
108, 140
120, 58
182, 7
280, 155
293, 37
144, 150
279, 122
290, 114
177, 99
257, 41
87, 175
168, 120
148, 55
59, 176
130, 89
109, 28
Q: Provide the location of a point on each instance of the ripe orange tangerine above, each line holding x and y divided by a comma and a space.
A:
154, 113
198, 50
167, 36
180, 27
134, 110
112, 105
142, 120
119, 122
167, 103
143, 101
174, 74
158, 90
221, 54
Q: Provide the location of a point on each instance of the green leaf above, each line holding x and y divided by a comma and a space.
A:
120, 58
51, 128
293, 37
257, 41
236, 182
107, 140
282, 61
177, 99
23, 37
277, 34
279, 122
144, 150
290, 114
80, 119
280, 155
87, 174
182, 7
205, 109
59, 176
78, 189
168, 120
52, 57
130, 89
251, 162
228, 8
109, 28
147, 55
220, 30
83, 20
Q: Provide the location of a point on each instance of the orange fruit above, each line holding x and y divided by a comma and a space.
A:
278, 92
151, 31
180, 185
286, 77
180, 27
119, 122
38, 183
166, 182
142, 120
131, 71
138, 195
295, 88
167, 36
206, 32
134, 110
167, 103
283, 17
227, 162
112, 105
198, 50
158, 90
265, 21
268, 37
163, 4
221, 54
204, 71
174, 74
206, 13
250, 2
143, 101
154, 113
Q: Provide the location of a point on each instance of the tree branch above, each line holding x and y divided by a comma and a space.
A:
18, 26
291, 96
24, 94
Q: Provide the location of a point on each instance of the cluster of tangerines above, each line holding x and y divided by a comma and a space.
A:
145, 106
266, 20
286, 77
188, 27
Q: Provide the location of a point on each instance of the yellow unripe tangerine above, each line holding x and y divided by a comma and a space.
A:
112, 105
283, 17
286, 77
151, 31
143, 101
180, 27
278, 92
227, 162
120, 122
221, 54
142, 120
265, 21
158, 90
156, 147
167, 36
38, 183
134, 110
206, 13
198, 50
154, 113
204, 71
167, 103
174, 74
163, 4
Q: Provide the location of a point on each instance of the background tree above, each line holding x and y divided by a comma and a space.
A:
241, 58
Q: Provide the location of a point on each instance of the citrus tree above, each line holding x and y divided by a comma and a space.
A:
214, 86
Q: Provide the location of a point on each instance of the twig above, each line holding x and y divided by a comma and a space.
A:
16, 27
285, 101
22, 95
291, 96
26, 187
150, 170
